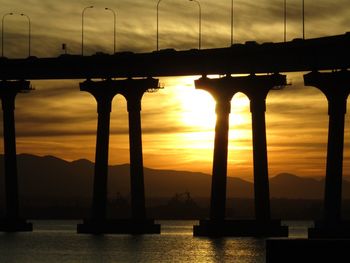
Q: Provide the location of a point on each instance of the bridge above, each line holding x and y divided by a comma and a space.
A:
327, 53
131, 75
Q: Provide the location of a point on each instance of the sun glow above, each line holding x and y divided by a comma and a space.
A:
198, 113
198, 110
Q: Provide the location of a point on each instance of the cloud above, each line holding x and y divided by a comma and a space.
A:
54, 23
58, 119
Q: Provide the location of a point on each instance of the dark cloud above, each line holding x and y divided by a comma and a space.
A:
58, 117
54, 24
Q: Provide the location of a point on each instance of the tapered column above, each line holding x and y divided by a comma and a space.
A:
8, 92
104, 92
336, 87
334, 168
138, 210
101, 160
10, 159
219, 175
257, 88
261, 175
222, 91
133, 90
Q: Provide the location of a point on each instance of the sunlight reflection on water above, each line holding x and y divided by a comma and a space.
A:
56, 241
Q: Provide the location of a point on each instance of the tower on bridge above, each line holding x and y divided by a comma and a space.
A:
8, 92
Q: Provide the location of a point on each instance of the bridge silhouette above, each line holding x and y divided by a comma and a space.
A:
326, 59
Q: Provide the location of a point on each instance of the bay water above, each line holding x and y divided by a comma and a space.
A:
57, 241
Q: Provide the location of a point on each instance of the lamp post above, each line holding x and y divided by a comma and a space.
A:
303, 10
199, 23
158, 24
231, 22
2, 32
29, 33
114, 26
285, 20
82, 28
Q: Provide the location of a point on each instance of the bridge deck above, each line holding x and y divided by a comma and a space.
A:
326, 53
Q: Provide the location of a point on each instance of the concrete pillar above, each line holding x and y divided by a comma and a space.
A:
222, 91
133, 90
336, 87
219, 175
261, 176
8, 93
257, 88
10, 158
103, 92
334, 169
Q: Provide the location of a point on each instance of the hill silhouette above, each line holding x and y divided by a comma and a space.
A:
54, 178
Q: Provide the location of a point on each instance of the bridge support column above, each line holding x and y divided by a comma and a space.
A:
12, 221
133, 90
256, 87
104, 92
222, 91
336, 87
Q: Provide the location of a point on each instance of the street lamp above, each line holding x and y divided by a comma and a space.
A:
29, 32
285, 20
114, 26
303, 8
158, 24
82, 28
199, 23
2, 32
231, 22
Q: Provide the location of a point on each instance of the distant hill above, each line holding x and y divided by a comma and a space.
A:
54, 178
286, 185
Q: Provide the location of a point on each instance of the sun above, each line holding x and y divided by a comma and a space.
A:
198, 110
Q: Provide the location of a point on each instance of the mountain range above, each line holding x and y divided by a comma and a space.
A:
49, 177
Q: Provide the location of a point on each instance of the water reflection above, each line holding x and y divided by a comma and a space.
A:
218, 247
57, 242
240, 250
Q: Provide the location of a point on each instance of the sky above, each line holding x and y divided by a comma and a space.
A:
178, 121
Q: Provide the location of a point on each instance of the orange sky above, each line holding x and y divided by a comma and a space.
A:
178, 121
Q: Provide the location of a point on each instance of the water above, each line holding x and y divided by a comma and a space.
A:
57, 241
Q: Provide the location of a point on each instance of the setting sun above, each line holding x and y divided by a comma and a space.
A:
198, 109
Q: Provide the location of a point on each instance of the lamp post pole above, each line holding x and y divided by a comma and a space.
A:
285, 20
231, 22
82, 28
158, 24
29, 33
114, 27
303, 9
199, 23
2, 32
